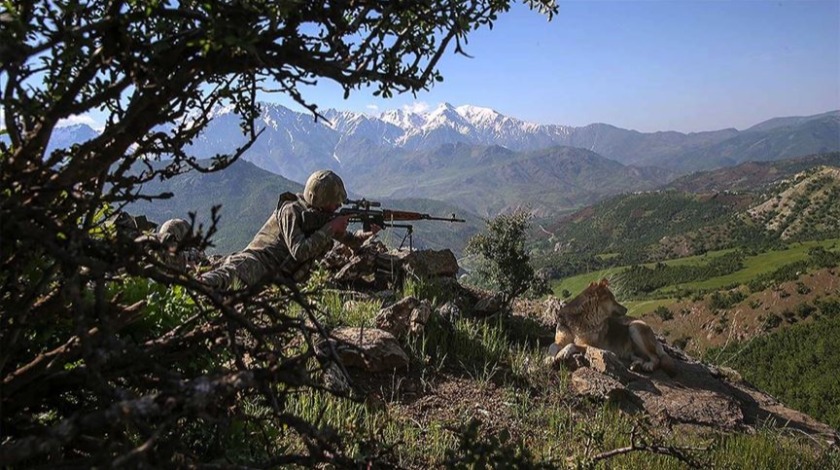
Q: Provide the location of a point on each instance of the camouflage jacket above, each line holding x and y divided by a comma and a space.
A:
285, 244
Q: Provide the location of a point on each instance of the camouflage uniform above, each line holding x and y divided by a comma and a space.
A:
288, 244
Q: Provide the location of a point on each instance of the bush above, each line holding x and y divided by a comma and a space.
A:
829, 307
505, 264
771, 322
805, 310
664, 313
718, 301
802, 289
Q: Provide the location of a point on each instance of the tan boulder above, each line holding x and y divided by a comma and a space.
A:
408, 316
370, 349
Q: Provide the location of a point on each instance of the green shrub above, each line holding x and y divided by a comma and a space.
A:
798, 365
664, 313
771, 321
505, 264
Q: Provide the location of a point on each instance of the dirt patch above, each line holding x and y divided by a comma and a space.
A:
696, 327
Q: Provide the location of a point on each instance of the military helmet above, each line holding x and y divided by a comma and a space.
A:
175, 230
324, 188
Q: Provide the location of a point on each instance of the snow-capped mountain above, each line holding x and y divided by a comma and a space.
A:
291, 143
294, 144
485, 161
64, 137
475, 125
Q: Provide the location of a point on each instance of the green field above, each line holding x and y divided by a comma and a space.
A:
753, 266
637, 308
756, 265
577, 283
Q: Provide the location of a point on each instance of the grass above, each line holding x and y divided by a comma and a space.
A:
575, 284
520, 404
753, 266
638, 308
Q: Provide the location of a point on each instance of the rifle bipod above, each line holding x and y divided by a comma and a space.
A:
409, 230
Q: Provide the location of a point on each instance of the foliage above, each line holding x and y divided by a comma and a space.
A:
664, 313
475, 451
822, 258
506, 263
723, 301
797, 365
640, 279
90, 379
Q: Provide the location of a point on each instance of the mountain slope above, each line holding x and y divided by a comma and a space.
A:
801, 136
489, 180
750, 175
808, 206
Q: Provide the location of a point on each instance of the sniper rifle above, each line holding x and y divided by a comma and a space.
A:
369, 213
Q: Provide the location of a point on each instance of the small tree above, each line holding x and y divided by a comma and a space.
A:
505, 264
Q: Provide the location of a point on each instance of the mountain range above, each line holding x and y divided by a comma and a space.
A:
486, 162
295, 144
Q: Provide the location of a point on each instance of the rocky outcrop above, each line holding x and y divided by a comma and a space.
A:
406, 317
370, 349
699, 394
423, 264
373, 265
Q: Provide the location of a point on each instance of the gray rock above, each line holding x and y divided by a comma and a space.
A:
423, 264
699, 395
488, 305
606, 362
408, 316
449, 312
588, 381
370, 349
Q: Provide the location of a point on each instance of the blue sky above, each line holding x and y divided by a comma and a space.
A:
645, 65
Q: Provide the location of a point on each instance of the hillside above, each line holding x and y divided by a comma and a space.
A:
751, 175
491, 180
751, 206
647, 226
808, 206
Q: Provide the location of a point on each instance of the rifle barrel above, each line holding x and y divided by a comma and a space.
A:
407, 215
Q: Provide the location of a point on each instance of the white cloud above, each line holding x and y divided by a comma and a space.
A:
372, 107
78, 119
416, 107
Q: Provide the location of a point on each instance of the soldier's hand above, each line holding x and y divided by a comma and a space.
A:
338, 225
